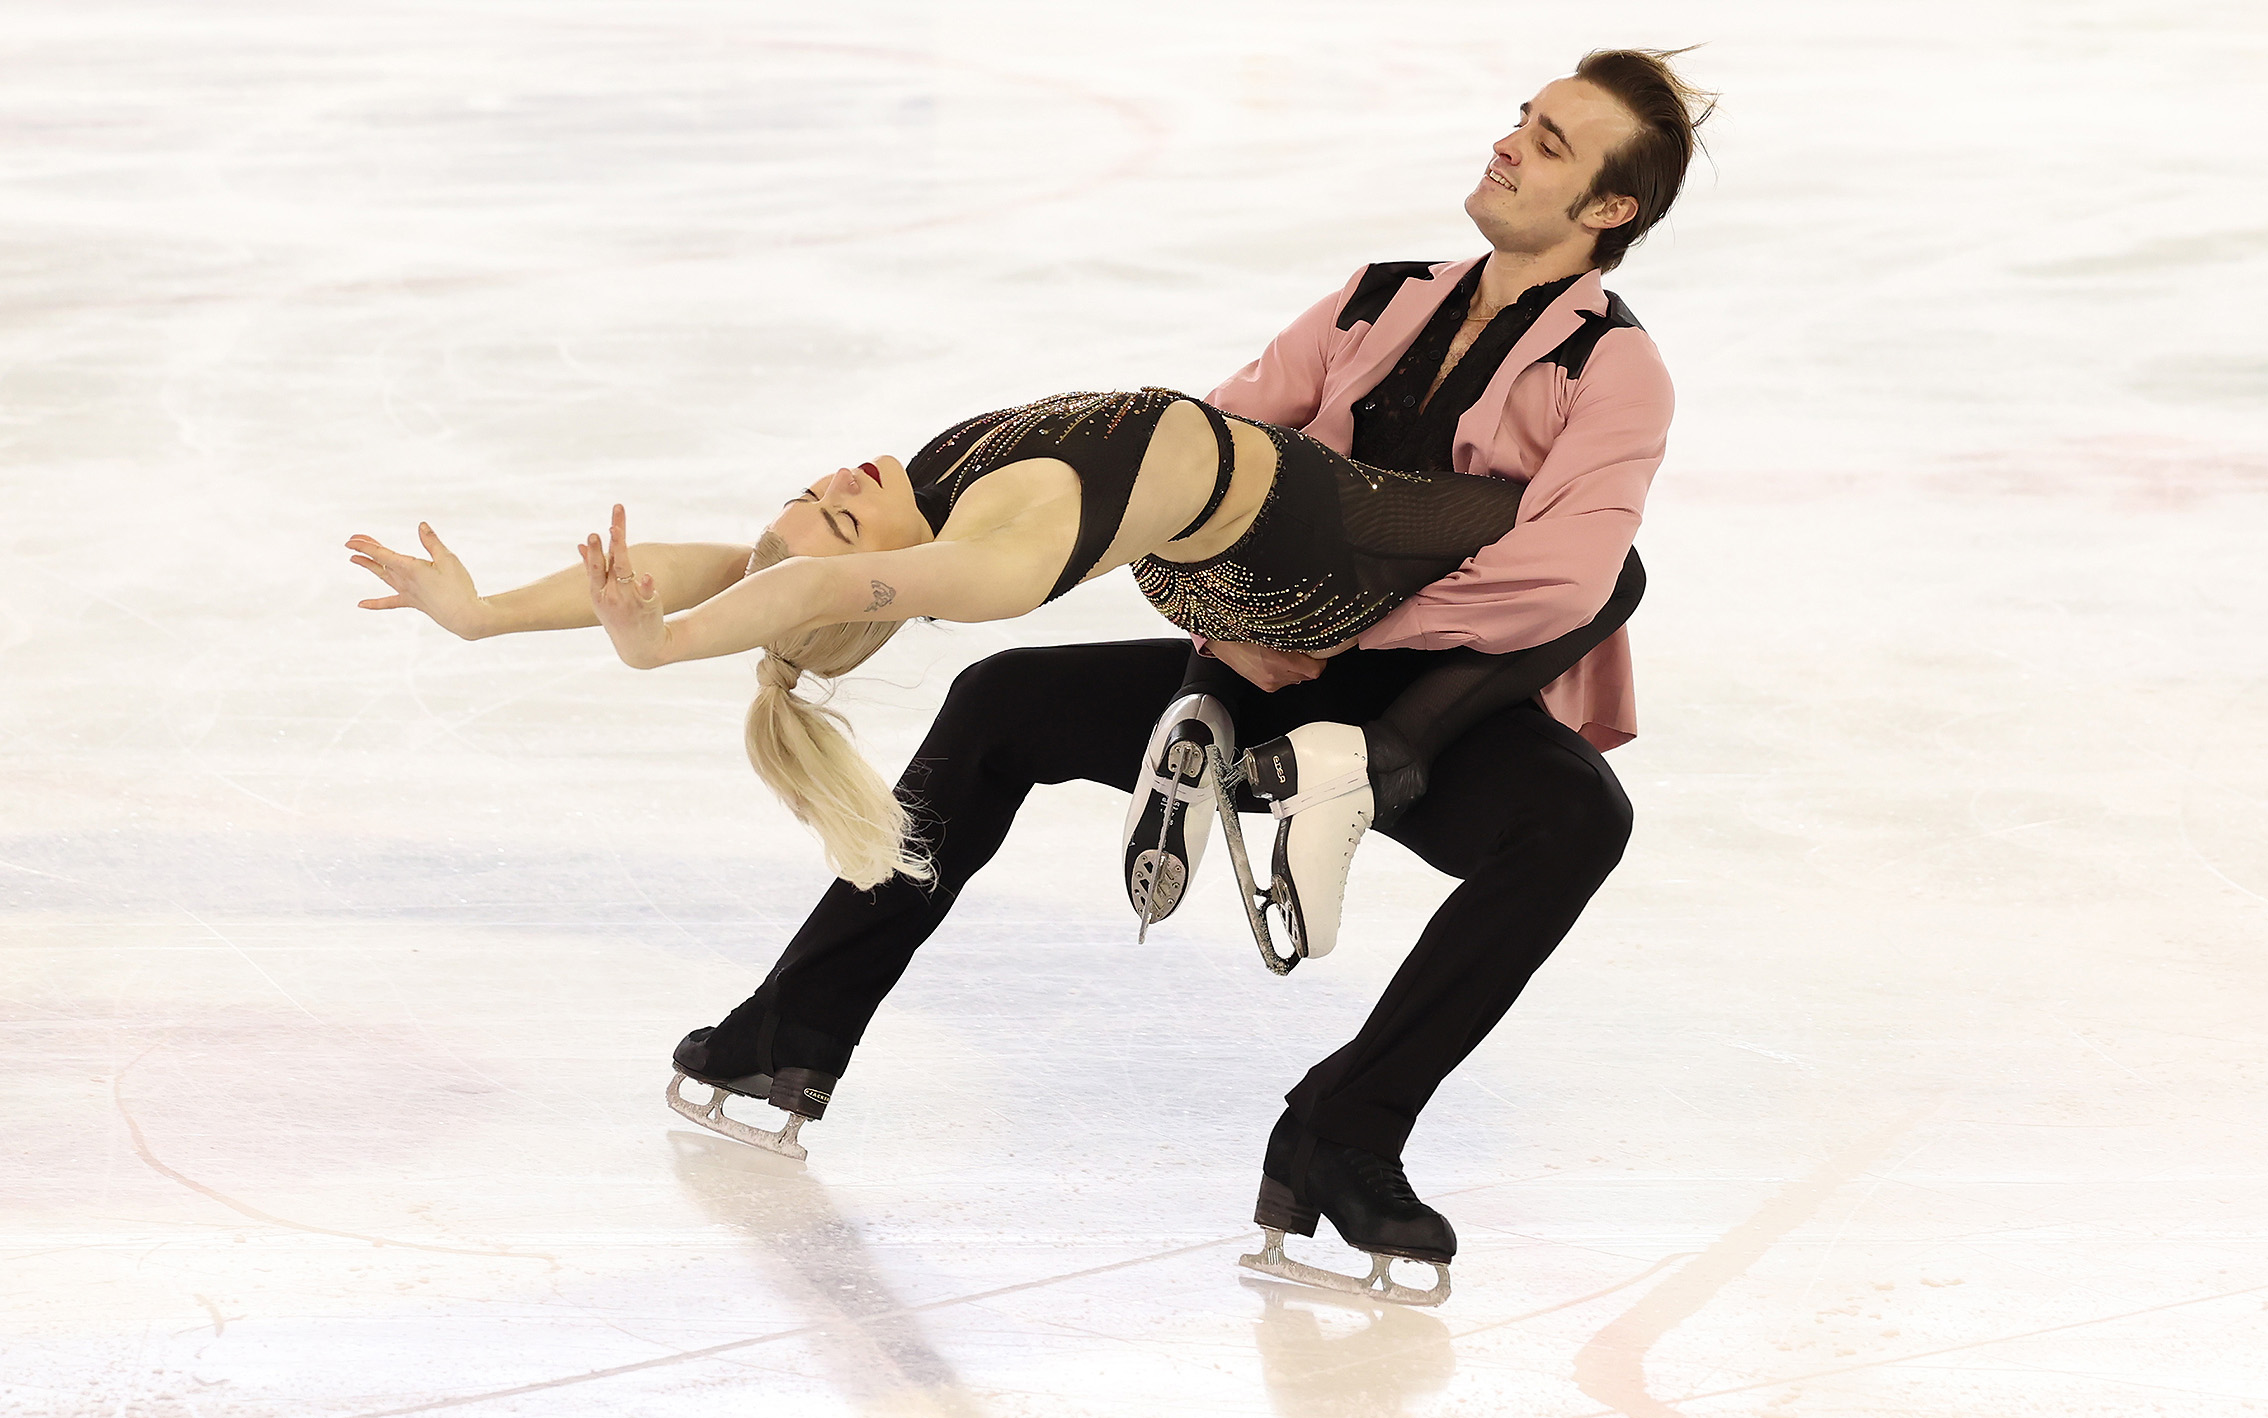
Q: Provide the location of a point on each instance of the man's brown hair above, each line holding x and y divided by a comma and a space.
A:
1650, 165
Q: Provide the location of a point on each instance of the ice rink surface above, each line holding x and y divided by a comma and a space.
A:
1912, 1064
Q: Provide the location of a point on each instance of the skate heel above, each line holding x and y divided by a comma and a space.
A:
1272, 770
1279, 1210
803, 1092
1170, 815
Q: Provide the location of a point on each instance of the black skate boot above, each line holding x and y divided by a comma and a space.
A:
1370, 1204
802, 1093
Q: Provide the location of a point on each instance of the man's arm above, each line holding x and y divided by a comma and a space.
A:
1551, 573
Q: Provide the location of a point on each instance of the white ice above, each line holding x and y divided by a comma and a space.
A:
1910, 1065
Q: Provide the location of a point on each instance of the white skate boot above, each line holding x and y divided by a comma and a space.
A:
1171, 816
1316, 780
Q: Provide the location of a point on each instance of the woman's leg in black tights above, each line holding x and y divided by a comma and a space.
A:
1466, 686
1206, 675
1042, 715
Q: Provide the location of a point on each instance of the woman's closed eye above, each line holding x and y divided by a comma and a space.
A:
829, 517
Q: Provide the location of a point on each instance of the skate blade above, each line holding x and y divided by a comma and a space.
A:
1158, 881
1381, 1285
1160, 875
711, 1115
1256, 901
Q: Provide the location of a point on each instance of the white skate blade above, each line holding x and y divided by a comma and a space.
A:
1159, 878
712, 1116
1381, 1285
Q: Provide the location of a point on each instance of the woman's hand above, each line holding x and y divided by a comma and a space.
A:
626, 603
442, 588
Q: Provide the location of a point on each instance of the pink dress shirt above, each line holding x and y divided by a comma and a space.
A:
1586, 446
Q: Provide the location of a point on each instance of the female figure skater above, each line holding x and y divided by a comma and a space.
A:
1236, 530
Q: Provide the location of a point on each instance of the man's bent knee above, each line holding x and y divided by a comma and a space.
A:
1593, 820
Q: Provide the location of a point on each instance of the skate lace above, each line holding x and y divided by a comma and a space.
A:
1385, 1179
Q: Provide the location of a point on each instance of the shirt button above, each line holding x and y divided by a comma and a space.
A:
1409, 401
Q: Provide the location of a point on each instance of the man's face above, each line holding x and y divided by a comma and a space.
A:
1543, 167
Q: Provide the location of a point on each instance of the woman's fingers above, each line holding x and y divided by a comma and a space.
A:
382, 554
385, 603
618, 546
431, 541
594, 564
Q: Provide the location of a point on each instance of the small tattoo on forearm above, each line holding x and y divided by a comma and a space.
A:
884, 593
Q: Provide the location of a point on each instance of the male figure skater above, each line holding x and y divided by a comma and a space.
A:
1516, 365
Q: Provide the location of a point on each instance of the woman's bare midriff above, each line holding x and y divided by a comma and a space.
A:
1176, 480
1185, 479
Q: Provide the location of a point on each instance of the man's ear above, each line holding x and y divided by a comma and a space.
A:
1609, 212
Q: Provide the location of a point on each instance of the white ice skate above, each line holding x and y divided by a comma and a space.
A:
1316, 780
1171, 816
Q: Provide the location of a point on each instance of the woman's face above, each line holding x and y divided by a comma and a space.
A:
867, 508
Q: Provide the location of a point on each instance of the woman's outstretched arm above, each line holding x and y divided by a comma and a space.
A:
684, 574
999, 575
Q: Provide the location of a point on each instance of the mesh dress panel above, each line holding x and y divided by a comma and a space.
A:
1336, 546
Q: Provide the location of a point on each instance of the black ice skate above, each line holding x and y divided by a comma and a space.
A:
801, 1093
1171, 816
1368, 1200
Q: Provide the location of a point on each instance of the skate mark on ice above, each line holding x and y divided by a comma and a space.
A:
822, 1326
818, 1327
150, 1160
1619, 1286
1919, 1354
1280, 1292
1612, 1366
273, 983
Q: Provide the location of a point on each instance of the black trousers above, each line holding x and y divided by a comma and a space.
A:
1521, 809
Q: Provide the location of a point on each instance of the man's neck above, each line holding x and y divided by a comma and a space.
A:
1508, 273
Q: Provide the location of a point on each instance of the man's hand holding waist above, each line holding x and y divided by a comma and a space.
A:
1270, 669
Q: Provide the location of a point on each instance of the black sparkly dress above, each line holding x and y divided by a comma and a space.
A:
1336, 545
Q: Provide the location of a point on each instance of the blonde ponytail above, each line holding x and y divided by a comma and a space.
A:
800, 750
